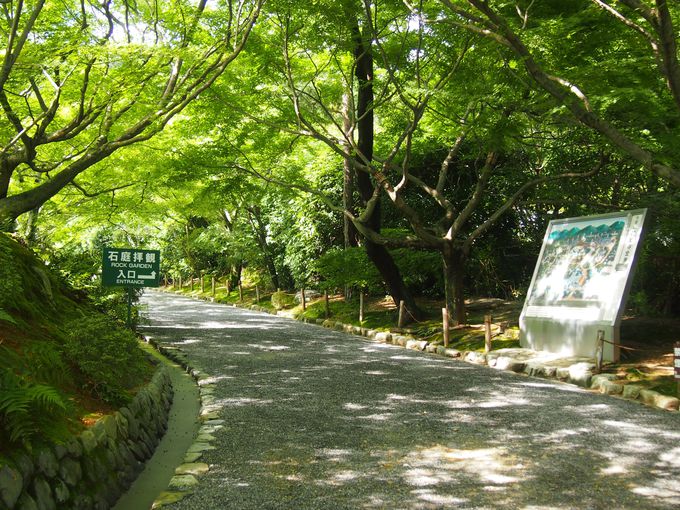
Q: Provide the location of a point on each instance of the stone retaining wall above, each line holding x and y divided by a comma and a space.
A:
92, 470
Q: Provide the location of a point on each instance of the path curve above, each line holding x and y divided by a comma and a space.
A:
317, 419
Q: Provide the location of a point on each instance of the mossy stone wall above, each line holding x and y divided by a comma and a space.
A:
93, 469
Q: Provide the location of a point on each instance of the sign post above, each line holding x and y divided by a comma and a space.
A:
131, 268
676, 364
580, 284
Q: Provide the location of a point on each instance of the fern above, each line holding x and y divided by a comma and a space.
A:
27, 410
4, 316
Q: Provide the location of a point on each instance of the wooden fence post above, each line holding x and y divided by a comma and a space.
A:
487, 334
226, 282
361, 306
257, 294
240, 290
202, 283
180, 282
212, 286
402, 314
445, 325
192, 283
303, 300
328, 305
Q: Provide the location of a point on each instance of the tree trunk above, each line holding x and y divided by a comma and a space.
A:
255, 218
350, 233
453, 262
378, 254
31, 231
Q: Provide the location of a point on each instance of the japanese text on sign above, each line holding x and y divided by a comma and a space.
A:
130, 267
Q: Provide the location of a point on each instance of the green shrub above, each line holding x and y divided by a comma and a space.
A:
281, 300
351, 266
107, 358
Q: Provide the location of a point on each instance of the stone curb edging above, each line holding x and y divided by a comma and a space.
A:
581, 372
185, 479
93, 469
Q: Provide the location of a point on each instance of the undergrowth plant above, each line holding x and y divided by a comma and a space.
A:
28, 409
106, 357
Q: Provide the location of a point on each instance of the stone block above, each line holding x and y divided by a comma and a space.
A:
631, 391
383, 337
168, 498
26, 502
478, 358
195, 469
400, 340
42, 493
60, 451
598, 380
533, 369
25, 466
110, 427
611, 388
648, 396
416, 345
75, 448
47, 463
666, 402
452, 353
581, 373
11, 485
507, 363
61, 493
88, 440
182, 482
99, 433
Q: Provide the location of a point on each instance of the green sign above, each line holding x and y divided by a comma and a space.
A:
130, 267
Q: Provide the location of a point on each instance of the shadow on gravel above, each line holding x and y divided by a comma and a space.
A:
318, 419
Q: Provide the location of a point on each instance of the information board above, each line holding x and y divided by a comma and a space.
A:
131, 267
580, 283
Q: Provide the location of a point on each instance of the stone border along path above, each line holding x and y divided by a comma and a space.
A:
580, 371
499, 441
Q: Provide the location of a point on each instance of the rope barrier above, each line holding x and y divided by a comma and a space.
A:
623, 346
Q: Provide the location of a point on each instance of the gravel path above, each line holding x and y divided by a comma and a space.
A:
319, 419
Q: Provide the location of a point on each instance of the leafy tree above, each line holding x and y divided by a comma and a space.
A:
77, 84
641, 37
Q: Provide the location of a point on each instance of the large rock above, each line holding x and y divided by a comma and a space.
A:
110, 426
383, 337
42, 493
75, 448
26, 502
11, 485
631, 391
507, 363
70, 472
478, 358
61, 493
47, 463
25, 466
599, 379
89, 441
581, 373
416, 345
611, 388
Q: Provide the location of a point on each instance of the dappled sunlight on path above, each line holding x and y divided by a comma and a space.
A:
318, 419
